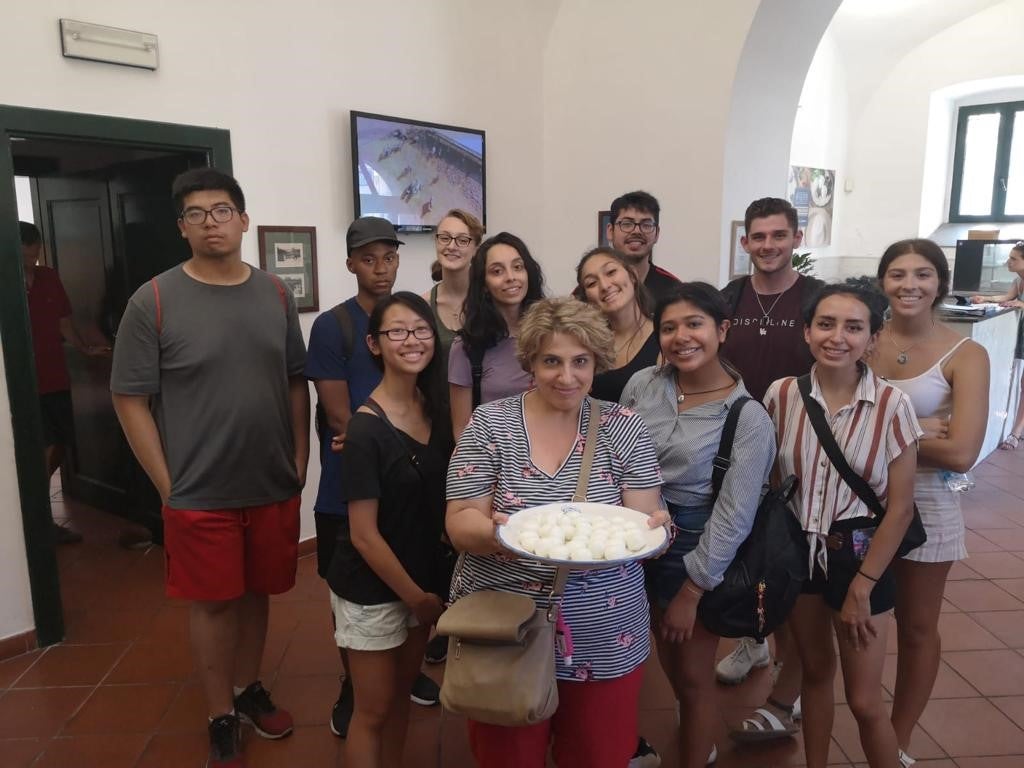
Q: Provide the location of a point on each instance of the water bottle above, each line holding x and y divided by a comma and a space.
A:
957, 482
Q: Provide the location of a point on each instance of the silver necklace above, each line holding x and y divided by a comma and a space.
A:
901, 354
764, 314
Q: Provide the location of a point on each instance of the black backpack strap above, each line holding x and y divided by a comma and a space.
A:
476, 368
835, 455
374, 406
723, 460
348, 333
737, 286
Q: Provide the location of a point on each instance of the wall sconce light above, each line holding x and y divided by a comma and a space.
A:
94, 42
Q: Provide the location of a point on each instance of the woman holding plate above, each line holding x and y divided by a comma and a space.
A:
684, 404
525, 451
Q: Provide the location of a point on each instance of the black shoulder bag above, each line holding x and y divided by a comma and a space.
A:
763, 581
915, 535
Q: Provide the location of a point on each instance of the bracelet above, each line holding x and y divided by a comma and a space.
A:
869, 578
689, 587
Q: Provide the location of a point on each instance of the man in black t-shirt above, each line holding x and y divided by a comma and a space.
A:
633, 232
766, 342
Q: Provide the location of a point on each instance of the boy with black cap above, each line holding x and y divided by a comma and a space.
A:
344, 373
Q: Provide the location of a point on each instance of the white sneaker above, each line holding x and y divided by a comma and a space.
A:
747, 655
798, 713
713, 756
906, 760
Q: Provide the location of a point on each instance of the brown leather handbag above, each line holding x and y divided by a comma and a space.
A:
501, 646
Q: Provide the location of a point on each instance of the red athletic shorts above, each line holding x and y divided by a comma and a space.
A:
220, 554
595, 726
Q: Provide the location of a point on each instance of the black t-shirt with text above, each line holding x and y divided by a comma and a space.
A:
766, 340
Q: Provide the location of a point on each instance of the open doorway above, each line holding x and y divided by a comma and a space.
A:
99, 192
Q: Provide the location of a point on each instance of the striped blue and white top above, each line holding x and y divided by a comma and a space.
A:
606, 608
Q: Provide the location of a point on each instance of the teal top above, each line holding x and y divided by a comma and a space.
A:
444, 334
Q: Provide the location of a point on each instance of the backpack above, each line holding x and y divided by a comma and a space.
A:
763, 581
348, 333
476, 369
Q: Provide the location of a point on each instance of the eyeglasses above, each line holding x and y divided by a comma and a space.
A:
460, 240
628, 225
219, 213
422, 333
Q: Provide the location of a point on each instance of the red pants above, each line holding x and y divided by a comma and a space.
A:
595, 727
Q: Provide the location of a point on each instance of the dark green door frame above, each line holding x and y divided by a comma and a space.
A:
33, 486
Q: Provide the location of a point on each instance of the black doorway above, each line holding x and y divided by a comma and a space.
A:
101, 194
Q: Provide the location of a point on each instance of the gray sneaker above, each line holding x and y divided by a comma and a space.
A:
746, 656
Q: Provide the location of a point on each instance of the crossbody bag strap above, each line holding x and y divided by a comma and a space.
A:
835, 455
723, 459
374, 406
593, 427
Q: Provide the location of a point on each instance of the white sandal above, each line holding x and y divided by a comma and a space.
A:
769, 727
1011, 442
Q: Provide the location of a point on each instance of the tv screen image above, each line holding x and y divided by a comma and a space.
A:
411, 172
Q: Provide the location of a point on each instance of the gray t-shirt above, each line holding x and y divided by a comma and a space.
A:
216, 360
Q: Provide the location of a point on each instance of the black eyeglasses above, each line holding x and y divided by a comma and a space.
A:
462, 241
197, 216
422, 333
628, 225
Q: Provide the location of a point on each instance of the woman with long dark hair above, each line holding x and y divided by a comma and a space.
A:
946, 378
504, 280
607, 281
386, 589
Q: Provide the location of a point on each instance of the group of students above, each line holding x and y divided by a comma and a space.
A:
441, 415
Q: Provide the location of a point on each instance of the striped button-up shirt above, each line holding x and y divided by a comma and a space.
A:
872, 430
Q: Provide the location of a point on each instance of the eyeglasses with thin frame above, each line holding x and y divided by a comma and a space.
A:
219, 213
444, 238
422, 333
647, 226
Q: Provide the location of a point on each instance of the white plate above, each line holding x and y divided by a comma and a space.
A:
655, 539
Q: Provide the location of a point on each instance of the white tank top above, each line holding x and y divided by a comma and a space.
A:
930, 392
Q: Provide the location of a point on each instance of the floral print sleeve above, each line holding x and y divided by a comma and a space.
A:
474, 467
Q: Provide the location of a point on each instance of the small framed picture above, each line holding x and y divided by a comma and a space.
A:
604, 218
290, 254
739, 259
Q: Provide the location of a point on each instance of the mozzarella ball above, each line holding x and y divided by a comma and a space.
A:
579, 553
558, 552
596, 550
635, 540
540, 548
528, 540
615, 550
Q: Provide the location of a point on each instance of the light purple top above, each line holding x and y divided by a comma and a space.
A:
503, 376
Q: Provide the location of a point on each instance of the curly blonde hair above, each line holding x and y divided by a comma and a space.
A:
572, 317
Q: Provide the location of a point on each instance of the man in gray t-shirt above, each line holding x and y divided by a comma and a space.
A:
209, 388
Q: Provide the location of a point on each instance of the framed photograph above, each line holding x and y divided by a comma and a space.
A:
290, 254
739, 259
604, 218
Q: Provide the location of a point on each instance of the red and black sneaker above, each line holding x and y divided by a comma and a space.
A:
254, 707
225, 743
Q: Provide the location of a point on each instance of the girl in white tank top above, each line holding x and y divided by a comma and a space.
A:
946, 378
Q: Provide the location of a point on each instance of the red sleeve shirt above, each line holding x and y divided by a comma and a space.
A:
47, 304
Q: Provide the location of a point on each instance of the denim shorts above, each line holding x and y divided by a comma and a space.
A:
665, 575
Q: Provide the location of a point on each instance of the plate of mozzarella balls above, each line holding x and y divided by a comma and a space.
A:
582, 534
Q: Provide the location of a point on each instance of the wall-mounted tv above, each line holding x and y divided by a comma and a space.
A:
410, 172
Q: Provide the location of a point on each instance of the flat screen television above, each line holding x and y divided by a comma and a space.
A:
410, 172
980, 266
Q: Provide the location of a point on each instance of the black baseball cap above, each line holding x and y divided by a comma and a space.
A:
370, 229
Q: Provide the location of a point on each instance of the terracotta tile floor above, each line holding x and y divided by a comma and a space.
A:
121, 691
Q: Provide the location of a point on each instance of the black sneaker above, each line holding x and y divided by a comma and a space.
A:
341, 714
645, 756
437, 650
255, 707
225, 743
425, 691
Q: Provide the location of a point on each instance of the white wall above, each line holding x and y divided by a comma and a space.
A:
819, 138
15, 599
888, 139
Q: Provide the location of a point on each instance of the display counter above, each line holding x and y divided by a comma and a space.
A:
997, 333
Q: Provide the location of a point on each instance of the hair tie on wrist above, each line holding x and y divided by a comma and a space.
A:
869, 578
